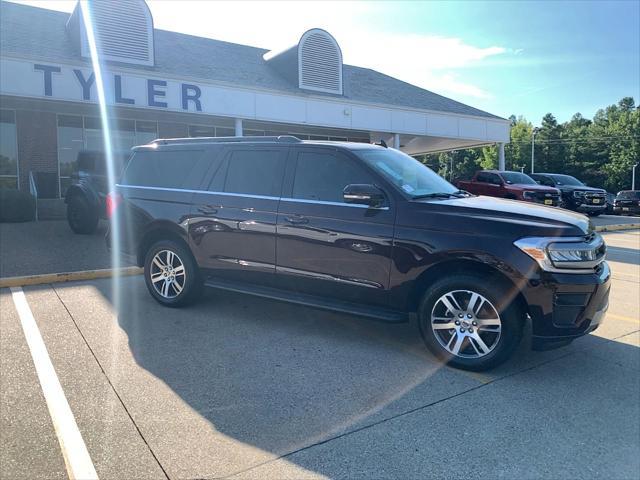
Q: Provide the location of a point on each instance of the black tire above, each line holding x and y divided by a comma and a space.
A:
500, 297
595, 214
191, 286
81, 217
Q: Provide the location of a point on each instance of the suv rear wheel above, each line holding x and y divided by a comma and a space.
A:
81, 217
171, 274
468, 321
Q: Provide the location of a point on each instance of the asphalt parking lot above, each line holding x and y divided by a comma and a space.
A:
243, 387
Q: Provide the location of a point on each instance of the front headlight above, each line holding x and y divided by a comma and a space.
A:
529, 195
578, 193
568, 254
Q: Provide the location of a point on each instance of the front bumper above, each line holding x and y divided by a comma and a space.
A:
565, 306
635, 209
584, 207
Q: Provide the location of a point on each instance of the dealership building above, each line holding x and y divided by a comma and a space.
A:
162, 84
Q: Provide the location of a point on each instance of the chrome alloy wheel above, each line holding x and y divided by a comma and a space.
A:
167, 274
466, 324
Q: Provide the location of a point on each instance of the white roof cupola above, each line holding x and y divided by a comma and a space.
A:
319, 62
123, 30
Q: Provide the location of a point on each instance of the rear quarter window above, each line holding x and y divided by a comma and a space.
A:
165, 169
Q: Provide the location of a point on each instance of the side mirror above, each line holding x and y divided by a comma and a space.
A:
363, 194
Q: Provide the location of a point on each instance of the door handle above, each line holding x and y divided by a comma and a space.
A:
208, 209
297, 219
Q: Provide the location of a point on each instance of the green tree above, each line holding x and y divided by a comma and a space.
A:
600, 152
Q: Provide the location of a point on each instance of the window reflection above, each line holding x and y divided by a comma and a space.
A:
8, 150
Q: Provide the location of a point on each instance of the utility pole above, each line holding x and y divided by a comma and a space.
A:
633, 177
533, 146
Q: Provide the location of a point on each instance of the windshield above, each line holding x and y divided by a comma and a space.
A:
517, 177
566, 180
407, 173
629, 194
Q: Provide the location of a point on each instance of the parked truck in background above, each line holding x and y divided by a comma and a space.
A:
512, 185
576, 195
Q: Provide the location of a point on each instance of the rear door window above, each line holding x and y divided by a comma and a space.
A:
253, 172
182, 169
483, 178
546, 181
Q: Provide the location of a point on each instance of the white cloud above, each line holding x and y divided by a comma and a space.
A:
428, 61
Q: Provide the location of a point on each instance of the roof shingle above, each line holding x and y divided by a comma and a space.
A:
40, 33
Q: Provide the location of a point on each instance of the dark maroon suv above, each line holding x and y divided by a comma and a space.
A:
361, 229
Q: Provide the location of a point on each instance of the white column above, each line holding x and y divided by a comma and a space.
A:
238, 127
396, 141
501, 165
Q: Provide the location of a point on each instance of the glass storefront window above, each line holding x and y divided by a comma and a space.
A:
123, 136
70, 143
225, 132
146, 132
8, 150
76, 133
201, 131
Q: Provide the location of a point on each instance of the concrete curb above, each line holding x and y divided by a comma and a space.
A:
68, 276
620, 226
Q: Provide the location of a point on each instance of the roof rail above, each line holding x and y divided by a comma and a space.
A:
278, 139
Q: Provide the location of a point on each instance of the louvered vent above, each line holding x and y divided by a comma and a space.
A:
123, 31
319, 62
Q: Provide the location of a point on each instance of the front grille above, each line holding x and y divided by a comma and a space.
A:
595, 198
540, 197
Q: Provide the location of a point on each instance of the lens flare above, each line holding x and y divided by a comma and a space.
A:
85, 9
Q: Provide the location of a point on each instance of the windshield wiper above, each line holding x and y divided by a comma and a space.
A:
456, 194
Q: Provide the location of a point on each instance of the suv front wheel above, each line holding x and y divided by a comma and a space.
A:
171, 274
470, 322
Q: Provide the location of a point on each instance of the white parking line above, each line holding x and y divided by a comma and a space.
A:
76, 457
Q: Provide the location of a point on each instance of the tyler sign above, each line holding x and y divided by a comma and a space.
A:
78, 83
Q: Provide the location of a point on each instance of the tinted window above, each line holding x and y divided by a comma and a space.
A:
486, 177
323, 176
495, 179
518, 178
255, 172
483, 177
545, 181
629, 195
167, 169
567, 180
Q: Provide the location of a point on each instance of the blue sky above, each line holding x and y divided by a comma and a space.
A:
523, 58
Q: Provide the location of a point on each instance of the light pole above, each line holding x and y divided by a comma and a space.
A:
533, 146
633, 177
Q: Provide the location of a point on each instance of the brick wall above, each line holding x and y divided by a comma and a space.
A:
37, 144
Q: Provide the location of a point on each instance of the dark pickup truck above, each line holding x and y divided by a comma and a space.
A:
513, 185
576, 195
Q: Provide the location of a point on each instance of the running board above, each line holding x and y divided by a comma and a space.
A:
379, 313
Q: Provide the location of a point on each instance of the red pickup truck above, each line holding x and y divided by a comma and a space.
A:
514, 185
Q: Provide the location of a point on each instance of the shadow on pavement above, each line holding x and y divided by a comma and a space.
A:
281, 377
50, 246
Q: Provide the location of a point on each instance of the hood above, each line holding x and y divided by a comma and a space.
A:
583, 188
516, 217
533, 188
